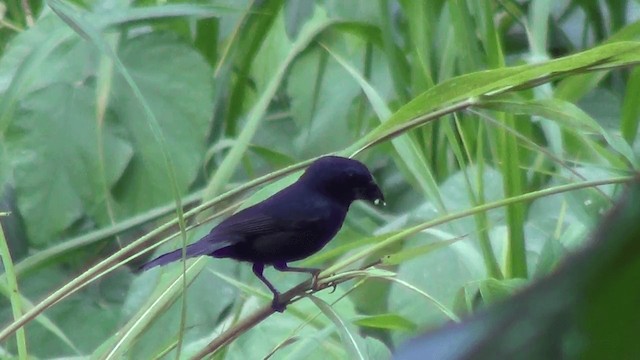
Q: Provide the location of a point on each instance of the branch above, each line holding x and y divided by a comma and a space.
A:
298, 292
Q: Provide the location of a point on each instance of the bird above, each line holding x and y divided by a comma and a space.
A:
291, 225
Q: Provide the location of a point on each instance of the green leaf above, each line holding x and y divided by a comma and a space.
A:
630, 109
585, 309
350, 339
565, 113
462, 90
125, 16
320, 103
575, 87
17, 304
409, 153
296, 13
52, 144
493, 290
179, 92
270, 85
387, 321
150, 316
47, 53
407, 254
4, 169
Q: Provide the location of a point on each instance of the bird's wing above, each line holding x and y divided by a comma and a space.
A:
255, 224
292, 210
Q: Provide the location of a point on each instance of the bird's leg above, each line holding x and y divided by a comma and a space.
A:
276, 305
282, 266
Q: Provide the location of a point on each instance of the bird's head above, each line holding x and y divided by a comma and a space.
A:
343, 179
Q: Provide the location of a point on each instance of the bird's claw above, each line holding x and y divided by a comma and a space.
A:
314, 281
278, 305
315, 286
333, 286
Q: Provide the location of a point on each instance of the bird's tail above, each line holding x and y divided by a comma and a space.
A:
195, 249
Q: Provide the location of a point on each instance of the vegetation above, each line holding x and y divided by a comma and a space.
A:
500, 132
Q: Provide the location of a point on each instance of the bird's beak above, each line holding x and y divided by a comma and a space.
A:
372, 193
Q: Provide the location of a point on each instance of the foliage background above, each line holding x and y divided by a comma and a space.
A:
113, 114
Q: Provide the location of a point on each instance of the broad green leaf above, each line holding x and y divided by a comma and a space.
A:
57, 164
585, 309
350, 339
423, 296
4, 169
151, 314
62, 331
44, 321
296, 13
272, 157
45, 54
302, 325
321, 102
179, 92
17, 304
493, 290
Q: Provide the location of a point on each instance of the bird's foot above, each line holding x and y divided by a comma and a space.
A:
315, 286
277, 304
314, 281
333, 286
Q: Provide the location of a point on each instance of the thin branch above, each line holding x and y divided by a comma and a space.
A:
298, 292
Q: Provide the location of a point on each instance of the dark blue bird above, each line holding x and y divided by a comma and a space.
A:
292, 224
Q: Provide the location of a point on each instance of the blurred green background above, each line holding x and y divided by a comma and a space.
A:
499, 131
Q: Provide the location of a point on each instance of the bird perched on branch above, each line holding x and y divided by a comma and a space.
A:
291, 225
